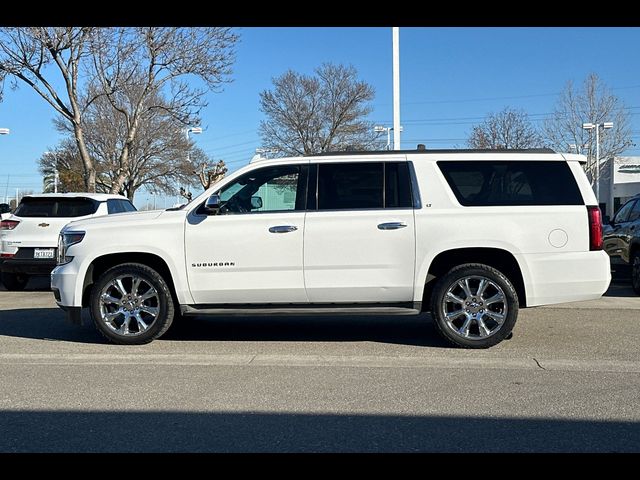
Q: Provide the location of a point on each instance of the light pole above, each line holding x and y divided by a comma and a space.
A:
194, 130
396, 88
4, 131
597, 127
577, 148
387, 130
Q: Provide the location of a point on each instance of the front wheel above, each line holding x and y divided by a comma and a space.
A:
635, 272
131, 304
14, 282
474, 306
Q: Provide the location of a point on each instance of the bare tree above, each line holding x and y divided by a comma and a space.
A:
593, 103
34, 56
156, 62
66, 160
157, 155
208, 170
313, 114
509, 128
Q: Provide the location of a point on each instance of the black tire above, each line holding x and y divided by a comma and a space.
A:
635, 271
162, 299
14, 282
498, 331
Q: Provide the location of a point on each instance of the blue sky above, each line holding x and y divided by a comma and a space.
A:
450, 79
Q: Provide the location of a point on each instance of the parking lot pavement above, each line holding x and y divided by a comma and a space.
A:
566, 382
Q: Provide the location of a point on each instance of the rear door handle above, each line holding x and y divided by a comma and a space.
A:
391, 225
283, 229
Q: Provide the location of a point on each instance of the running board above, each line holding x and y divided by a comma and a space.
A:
401, 308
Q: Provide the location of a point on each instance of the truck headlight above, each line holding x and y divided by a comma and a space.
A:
65, 240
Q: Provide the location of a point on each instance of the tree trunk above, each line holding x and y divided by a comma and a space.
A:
116, 186
87, 163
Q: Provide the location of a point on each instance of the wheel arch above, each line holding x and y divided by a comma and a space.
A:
498, 258
102, 263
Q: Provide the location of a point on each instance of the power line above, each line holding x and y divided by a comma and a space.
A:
481, 99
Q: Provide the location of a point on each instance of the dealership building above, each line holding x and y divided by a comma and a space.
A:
619, 181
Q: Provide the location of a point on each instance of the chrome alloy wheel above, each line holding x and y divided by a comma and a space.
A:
129, 305
474, 307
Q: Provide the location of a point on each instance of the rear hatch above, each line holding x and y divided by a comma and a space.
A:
40, 220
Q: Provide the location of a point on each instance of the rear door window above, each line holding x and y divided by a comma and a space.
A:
350, 186
56, 207
500, 183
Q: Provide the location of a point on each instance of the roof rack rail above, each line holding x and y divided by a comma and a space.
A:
438, 150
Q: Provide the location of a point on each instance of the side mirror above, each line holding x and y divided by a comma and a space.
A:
212, 205
256, 203
606, 220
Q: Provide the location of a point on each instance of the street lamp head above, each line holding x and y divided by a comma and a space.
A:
379, 129
195, 130
607, 125
588, 126
4, 131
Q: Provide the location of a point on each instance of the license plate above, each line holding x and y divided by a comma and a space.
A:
44, 253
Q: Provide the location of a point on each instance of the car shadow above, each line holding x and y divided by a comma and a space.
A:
46, 324
415, 330
419, 330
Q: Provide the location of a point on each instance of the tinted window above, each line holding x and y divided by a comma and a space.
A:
113, 206
397, 185
495, 183
119, 206
127, 206
350, 185
272, 189
50, 207
635, 213
623, 213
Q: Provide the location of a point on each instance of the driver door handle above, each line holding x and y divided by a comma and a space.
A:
283, 229
392, 225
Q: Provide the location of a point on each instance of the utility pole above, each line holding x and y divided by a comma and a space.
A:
597, 127
396, 88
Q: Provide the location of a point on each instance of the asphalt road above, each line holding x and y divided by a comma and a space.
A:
567, 381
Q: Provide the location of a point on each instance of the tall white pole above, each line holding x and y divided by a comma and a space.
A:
396, 88
598, 164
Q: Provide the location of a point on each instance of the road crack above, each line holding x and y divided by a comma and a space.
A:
538, 363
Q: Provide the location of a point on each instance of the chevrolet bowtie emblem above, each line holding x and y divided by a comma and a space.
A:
43, 224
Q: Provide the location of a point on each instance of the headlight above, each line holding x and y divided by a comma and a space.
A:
65, 240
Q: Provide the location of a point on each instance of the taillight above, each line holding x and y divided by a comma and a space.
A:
595, 227
8, 224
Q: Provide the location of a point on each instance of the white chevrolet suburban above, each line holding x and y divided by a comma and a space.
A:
471, 236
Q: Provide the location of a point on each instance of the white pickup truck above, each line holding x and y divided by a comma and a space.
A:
471, 236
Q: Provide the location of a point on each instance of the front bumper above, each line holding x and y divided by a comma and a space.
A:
63, 286
64, 280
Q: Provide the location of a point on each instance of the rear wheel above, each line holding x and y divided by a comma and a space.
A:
131, 304
14, 281
635, 272
474, 306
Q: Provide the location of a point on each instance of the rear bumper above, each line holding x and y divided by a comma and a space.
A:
27, 266
565, 277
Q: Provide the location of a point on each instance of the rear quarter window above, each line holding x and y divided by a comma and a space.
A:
501, 183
